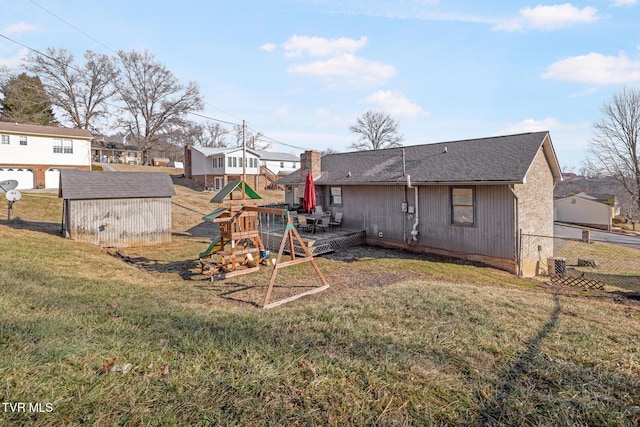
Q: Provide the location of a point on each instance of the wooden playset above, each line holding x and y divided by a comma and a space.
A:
239, 249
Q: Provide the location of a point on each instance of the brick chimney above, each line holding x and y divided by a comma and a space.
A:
310, 162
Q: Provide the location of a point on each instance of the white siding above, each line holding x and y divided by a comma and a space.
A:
39, 151
576, 210
278, 166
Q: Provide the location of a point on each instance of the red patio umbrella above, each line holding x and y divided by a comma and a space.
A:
309, 199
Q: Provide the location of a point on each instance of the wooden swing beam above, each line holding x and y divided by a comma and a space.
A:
290, 233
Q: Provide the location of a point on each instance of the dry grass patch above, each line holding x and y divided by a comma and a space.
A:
398, 339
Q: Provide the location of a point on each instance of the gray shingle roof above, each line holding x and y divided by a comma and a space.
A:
280, 157
504, 159
76, 185
18, 128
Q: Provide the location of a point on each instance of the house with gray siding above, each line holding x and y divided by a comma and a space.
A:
116, 209
470, 199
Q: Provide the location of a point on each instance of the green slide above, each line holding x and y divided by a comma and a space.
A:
213, 247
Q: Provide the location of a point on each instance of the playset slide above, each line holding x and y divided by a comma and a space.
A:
213, 247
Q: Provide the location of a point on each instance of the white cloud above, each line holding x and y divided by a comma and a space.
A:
322, 112
282, 111
269, 47
531, 125
358, 71
321, 46
16, 60
396, 104
595, 68
18, 28
549, 18
621, 3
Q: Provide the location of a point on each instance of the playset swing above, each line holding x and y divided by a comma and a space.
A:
239, 248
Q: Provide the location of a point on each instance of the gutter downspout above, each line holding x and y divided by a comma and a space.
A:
414, 230
517, 230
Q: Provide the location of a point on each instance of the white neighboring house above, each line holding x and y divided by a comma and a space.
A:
586, 210
214, 167
281, 164
34, 154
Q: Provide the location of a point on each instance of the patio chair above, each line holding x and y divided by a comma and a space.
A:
323, 223
301, 223
337, 221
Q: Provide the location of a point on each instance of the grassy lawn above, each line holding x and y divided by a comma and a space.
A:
398, 339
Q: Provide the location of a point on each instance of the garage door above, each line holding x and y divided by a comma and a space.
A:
52, 178
24, 177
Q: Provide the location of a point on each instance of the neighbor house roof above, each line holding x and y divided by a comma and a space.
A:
500, 159
77, 185
607, 199
39, 130
602, 199
279, 157
210, 151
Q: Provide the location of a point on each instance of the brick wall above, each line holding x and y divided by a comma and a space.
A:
535, 201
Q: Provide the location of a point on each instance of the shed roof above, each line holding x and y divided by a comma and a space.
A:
77, 185
24, 129
500, 159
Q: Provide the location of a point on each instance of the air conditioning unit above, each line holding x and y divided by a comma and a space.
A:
557, 266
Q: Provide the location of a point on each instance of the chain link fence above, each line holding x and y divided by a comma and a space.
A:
587, 262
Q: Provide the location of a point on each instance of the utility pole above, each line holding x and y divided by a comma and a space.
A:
244, 157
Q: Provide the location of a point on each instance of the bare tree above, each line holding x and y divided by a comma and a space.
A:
155, 103
254, 140
329, 150
81, 93
376, 130
214, 135
613, 150
629, 209
198, 134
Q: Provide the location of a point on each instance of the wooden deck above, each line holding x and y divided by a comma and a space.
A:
318, 243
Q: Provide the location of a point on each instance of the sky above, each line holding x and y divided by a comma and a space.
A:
303, 71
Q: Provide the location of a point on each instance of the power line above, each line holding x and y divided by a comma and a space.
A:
74, 27
214, 119
116, 106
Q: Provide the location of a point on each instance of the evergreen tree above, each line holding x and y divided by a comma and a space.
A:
24, 100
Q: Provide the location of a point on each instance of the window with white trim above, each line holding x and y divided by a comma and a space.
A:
5, 139
23, 140
67, 146
63, 146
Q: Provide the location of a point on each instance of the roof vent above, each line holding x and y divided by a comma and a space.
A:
349, 173
445, 148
